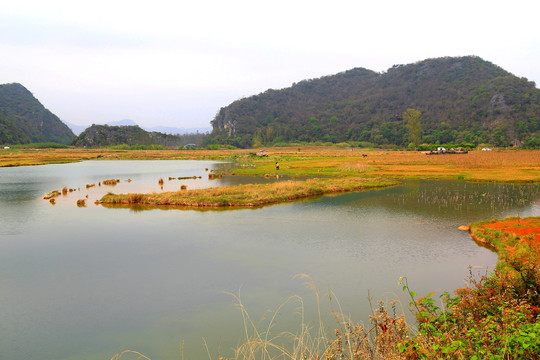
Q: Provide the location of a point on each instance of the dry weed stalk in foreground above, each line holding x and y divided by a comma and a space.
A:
352, 341
129, 352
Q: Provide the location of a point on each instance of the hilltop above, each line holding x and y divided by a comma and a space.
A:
171, 130
23, 119
105, 135
462, 99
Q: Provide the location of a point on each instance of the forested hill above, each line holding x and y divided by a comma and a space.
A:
23, 119
463, 99
105, 135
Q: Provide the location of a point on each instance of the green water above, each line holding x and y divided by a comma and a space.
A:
87, 283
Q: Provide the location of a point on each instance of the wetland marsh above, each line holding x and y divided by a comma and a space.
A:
87, 283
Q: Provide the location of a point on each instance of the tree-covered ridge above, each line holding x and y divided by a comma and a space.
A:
23, 119
105, 135
464, 99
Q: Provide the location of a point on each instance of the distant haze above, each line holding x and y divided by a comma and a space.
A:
175, 64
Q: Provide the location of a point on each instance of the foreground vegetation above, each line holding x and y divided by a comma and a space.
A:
494, 317
497, 316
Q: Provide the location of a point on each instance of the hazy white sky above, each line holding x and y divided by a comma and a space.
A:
176, 63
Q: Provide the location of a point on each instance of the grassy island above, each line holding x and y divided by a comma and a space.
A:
249, 195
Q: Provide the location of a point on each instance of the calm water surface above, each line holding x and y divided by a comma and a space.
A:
87, 283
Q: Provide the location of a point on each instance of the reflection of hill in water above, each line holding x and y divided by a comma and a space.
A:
451, 198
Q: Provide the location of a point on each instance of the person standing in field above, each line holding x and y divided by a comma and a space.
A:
277, 166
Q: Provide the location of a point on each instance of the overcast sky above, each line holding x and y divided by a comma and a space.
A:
176, 63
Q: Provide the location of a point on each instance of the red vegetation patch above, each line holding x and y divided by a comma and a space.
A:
521, 227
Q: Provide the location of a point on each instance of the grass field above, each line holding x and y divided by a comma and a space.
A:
328, 168
503, 165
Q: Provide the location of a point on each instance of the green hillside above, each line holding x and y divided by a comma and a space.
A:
23, 119
105, 135
464, 99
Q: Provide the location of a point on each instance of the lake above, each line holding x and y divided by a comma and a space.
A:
89, 282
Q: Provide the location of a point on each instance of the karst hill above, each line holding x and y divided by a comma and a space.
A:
462, 99
23, 119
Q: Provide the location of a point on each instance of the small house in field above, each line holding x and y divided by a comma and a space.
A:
190, 146
262, 153
6, 147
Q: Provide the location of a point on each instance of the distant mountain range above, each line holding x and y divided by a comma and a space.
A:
78, 129
23, 119
461, 99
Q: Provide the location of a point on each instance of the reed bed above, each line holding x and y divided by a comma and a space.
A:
249, 195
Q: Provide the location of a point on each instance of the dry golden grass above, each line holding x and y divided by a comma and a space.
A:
131, 354
111, 182
313, 341
521, 166
26, 157
506, 165
249, 195
503, 165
